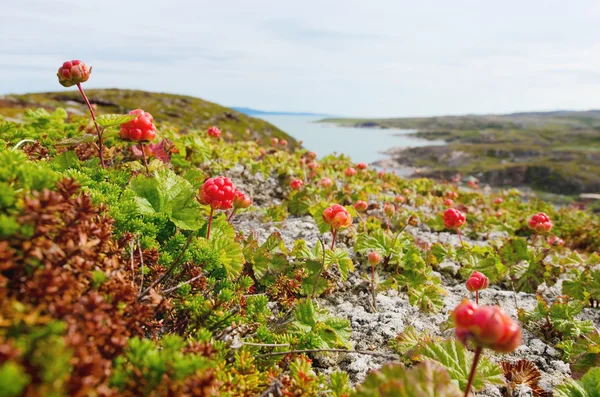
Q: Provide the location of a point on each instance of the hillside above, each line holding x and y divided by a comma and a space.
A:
556, 151
186, 112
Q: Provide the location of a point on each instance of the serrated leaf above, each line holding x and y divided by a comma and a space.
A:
110, 120
167, 193
66, 160
427, 379
458, 360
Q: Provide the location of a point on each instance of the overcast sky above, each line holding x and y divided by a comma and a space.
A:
355, 58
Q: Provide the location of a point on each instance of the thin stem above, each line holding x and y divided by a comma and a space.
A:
477, 297
183, 283
144, 157
314, 292
170, 269
369, 353
473, 367
231, 215
141, 261
334, 232
89, 105
460, 237
131, 252
266, 344
209, 223
373, 286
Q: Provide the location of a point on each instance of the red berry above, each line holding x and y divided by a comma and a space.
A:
214, 132
350, 171
296, 184
217, 192
453, 218
313, 165
283, 143
487, 326
399, 199
448, 202
389, 209
311, 155
73, 72
139, 129
451, 194
381, 174
540, 223
555, 240
498, 200
337, 217
240, 200
477, 281
326, 182
274, 141
361, 206
361, 166
374, 258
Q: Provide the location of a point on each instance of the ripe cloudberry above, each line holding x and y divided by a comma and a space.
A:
139, 129
498, 200
214, 132
283, 143
337, 217
476, 282
218, 193
448, 202
361, 166
296, 184
453, 218
73, 72
540, 223
350, 172
487, 326
361, 206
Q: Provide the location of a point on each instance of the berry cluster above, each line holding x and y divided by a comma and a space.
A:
73, 72
453, 218
540, 223
217, 192
139, 129
337, 217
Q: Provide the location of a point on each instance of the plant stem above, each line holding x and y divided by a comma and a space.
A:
334, 232
170, 269
477, 297
473, 367
314, 292
389, 356
89, 105
460, 237
144, 157
209, 223
231, 215
373, 287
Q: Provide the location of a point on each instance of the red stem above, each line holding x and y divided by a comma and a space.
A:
89, 105
334, 232
144, 157
460, 237
209, 223
477, 297
231, 215
473, 367
373, 287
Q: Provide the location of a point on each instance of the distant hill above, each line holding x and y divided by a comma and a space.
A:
255, 112
184, 112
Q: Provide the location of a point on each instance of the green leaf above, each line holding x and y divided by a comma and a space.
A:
427, 379
13, 379
317, 213
588, 386
66, 160
110, 120
458, 360
169, 194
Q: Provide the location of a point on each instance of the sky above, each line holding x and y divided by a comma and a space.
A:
370, 58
